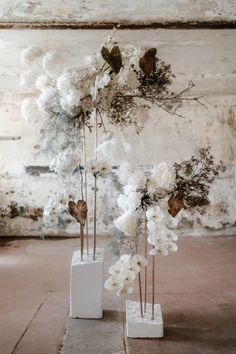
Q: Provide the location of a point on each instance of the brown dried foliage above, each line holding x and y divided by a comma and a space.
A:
78, 210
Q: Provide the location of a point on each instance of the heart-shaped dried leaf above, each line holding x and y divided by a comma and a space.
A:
148, 62
113, 58
176, 203
78, 210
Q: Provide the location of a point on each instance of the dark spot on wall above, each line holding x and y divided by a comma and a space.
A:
37, 170
14, 210
36, 214
231, 119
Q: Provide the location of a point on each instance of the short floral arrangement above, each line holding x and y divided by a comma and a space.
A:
151, 204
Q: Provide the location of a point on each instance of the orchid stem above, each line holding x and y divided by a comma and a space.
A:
153, 286
140, 294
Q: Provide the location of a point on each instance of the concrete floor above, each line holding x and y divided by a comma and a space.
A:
195, 286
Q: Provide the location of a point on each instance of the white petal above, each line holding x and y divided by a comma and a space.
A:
29, 110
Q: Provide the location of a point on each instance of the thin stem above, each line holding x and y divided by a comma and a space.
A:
95, 219
96, 137
81, 226
85, 187
153, 286
145, 270
81, 184
95, 193
81, 242
140, 294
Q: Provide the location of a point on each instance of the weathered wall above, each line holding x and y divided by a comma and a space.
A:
205, 56
141, 11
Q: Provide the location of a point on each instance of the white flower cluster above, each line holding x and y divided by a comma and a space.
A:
30, 54
113, 150
130, 200
162, 178
123, 273
66, 161
127, 223
29, 110
55, 209
48, 101
28, 79
160, 236
97, 168
131, 177
77, 90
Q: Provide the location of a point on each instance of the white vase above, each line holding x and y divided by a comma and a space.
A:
86, 285
138, 327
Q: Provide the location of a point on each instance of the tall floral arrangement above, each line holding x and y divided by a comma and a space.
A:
115, 86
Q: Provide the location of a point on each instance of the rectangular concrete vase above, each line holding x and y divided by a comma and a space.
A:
137, 327
86, 285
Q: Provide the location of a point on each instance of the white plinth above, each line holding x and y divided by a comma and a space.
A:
86, 285
137, 327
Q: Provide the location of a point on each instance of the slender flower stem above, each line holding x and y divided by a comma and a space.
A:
153, 286
81, 242
85, 186
95, 219
81, 226
145, 270
95, 194
140, 294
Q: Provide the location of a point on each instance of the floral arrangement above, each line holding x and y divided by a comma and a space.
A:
116, 85
151, 205
123, 273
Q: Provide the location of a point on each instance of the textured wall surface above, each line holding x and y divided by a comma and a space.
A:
141, 11
207, 57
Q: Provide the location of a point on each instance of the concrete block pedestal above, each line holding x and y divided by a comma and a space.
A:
137, 327
86, 285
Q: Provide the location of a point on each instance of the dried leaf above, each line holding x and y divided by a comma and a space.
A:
113, 58
176, 203
78, 210
148, 62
